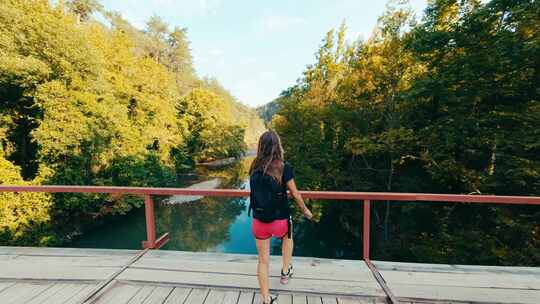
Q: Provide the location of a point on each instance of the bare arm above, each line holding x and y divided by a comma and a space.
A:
291, 185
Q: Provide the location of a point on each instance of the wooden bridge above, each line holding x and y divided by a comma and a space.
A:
65, 275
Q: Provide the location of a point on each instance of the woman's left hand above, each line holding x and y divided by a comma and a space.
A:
307, 213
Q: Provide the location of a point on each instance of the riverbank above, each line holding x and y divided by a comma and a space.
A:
228, 161
179, 199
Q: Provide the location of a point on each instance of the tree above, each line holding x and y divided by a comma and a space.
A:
180, 61
83, 9
210, 131
157, 30
446, 105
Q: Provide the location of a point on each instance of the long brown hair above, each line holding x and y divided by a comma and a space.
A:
269, 157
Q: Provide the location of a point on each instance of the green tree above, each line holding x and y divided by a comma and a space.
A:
24, 217
83, 9
179, 59
88, 104
446, 105
157, 30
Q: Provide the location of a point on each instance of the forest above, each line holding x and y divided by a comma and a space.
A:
445, 103
88, 99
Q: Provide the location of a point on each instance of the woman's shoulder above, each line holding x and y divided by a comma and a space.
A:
288, 172
287, 166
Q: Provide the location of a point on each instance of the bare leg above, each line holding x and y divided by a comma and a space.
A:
287, 246
263, 248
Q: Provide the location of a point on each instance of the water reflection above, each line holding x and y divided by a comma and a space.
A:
199, 225
207, 224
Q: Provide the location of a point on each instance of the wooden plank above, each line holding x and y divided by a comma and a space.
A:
487, 280
79, 296
359, 300
158, 295
466, 294
86, 261
359, 273
344, 300
368, 300
179, 259
285, 298
246, 297
215, 297
369, 288
197, 296
52, 251
417, 267
5, 285
63, 295
299, 299
53, 272
142, 294
381, 301
257, 299
377, 301
329, 300
22, 292
178, 295
118, 294
243, 258
28, 295
231, 297
42, 297
314, 300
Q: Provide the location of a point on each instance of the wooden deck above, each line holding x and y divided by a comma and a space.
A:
63, 275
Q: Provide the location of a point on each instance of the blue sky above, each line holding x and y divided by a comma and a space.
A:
256, 48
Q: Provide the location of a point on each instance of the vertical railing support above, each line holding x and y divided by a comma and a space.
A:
150, 222
366, 230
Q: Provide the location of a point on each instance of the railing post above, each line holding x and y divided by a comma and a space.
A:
366, 230
150, 222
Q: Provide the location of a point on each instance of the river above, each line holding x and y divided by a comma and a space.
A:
205, 224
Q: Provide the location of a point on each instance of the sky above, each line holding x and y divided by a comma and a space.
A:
257, 48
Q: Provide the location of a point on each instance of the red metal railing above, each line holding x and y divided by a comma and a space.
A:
154, 243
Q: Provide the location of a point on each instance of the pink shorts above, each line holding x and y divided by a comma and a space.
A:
263, 231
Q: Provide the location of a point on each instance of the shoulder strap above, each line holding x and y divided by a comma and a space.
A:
250, 207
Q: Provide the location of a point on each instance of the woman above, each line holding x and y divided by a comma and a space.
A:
270, 177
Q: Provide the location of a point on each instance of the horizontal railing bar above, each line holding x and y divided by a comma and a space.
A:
336, 195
